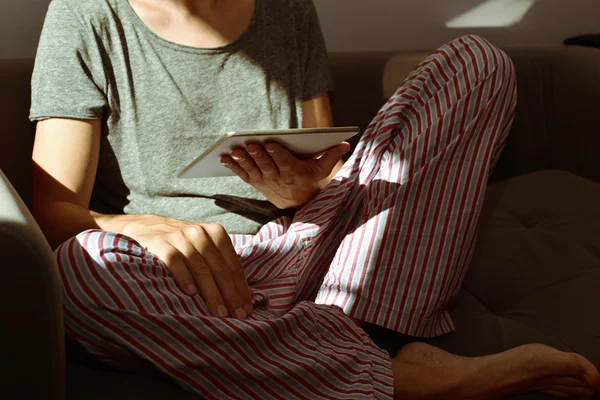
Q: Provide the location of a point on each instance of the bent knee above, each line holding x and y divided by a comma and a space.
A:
491, 60
94, 245
96, 262
100, 245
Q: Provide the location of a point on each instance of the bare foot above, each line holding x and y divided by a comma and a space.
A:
422, 371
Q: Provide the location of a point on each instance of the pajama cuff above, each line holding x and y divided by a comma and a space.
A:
383, 378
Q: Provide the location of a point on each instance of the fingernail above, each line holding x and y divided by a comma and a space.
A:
248, 309
270, 151
222, 312
240, 314
225, 164
236, 158
190, 289
253, 153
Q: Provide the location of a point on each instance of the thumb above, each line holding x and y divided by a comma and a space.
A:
331, 157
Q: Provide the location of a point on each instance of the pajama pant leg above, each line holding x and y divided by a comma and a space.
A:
124, 307
398, 251
428, 151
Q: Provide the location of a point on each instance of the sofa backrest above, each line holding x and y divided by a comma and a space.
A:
16, 133
557, 125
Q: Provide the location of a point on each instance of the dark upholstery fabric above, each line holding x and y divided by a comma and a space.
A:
535, 274
557, 121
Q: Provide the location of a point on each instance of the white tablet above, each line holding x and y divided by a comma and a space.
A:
299, 141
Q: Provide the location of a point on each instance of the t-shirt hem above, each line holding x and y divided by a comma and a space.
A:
317, 93
39, 116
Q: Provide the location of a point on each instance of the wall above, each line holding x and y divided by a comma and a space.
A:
365, 24
420, 24
20, 26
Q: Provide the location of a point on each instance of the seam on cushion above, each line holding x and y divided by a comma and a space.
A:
582, 247
551, 286
504, 335
575, 244
540, 330
495, 316
521, 220
487, 308
516, 303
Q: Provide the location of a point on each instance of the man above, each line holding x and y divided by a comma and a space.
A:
250, 302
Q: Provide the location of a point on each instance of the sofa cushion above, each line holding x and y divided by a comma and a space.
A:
535, 274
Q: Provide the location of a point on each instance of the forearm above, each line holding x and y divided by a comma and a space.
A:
62, 220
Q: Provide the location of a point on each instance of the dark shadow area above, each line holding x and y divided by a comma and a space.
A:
16, 133
260, 211
584, 40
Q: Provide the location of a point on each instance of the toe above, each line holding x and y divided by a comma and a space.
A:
566, 391
589, 372
570, 382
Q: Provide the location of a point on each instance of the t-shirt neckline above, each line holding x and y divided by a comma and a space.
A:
134, 17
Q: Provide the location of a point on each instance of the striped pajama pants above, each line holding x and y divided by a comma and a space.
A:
387, 242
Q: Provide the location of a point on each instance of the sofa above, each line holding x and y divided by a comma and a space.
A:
535, 274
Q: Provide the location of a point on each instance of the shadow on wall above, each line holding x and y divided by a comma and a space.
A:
20, 27
410, 25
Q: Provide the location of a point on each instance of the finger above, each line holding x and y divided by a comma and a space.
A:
174, 261
284, 160
331, 157
221, 272
230, 163
247, 163
201, 274
223, 243
263, 160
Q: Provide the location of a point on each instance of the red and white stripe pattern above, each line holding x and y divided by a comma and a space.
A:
388, 242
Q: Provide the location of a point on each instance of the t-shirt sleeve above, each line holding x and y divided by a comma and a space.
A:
317, 73
68, 79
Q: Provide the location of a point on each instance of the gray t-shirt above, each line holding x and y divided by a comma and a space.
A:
162, 103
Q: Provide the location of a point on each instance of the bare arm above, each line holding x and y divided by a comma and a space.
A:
65, 159
200, 256
317, 112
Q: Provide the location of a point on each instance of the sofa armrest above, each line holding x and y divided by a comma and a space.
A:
557, 125
30, 305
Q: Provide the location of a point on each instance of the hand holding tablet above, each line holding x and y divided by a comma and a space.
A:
299, 141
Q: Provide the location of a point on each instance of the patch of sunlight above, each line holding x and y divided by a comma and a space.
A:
493, 14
